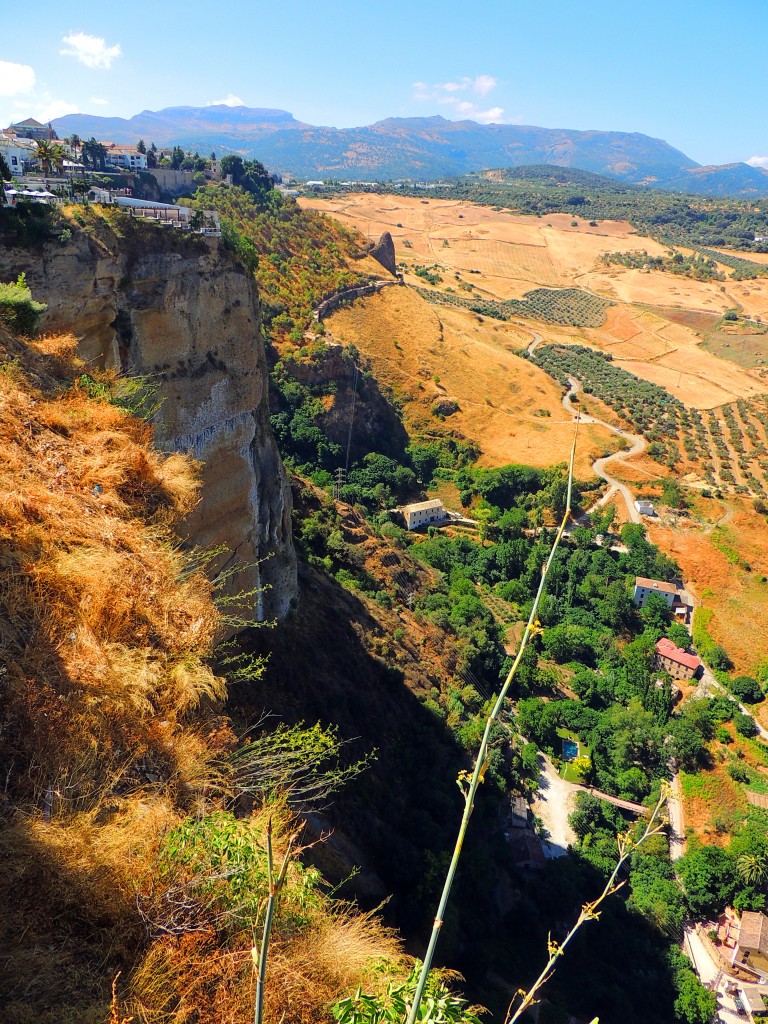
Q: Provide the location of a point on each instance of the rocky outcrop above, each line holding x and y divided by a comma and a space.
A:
154, 302
355, 412
384, 253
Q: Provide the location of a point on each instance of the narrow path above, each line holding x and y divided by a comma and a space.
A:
555, 801
676, 822
637, 444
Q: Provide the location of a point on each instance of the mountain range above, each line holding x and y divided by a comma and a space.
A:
422, 148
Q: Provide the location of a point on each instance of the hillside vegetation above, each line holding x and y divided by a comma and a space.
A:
298, 257
134, 821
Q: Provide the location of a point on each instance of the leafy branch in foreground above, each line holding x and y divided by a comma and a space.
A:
591, 911
304, 764
439, 1007
470, 786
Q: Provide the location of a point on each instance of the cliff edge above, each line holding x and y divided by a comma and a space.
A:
182, 311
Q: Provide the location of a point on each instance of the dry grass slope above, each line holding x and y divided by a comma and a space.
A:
113, 736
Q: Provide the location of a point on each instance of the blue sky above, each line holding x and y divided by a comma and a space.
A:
691, 73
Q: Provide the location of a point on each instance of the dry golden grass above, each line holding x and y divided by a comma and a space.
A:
194, 977
104, 632
510, 407
112, 735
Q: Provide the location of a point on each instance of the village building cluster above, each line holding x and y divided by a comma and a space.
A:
35, 179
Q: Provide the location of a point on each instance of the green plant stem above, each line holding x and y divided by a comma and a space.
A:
275, 884
481, 762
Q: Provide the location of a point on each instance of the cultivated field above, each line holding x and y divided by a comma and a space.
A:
663, 328
429, 354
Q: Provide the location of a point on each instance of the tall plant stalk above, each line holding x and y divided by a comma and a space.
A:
275, 885
591, 911
470, 788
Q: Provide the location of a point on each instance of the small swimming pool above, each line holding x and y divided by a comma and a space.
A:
570, 750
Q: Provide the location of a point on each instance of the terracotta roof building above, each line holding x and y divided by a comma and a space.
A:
673, 659
645, 587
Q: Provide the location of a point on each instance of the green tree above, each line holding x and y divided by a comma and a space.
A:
656, 612
694, 1003
746, 689
710, 880
753, 867
75, 143
745, 724
718, 658
140, 146
679, 635
94, 154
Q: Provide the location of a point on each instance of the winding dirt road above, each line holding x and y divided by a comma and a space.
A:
637, 443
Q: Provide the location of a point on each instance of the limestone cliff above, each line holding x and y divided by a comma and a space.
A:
152, 301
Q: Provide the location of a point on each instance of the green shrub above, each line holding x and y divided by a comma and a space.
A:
746, 689
18, 309
745, 724
738, 772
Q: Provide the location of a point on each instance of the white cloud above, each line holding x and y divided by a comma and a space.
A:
99, 101
494, 115
229, 101
90, 50
484, 84
45, 107
455, 94
16, 79
758, 161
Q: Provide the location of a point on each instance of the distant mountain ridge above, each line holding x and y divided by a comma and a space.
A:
426, 148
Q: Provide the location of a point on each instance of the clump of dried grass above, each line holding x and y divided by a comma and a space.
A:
195, 976
111, 732
105, 633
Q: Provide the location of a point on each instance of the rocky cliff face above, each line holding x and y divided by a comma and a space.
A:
154, 302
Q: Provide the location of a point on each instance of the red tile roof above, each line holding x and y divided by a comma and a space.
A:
667, 649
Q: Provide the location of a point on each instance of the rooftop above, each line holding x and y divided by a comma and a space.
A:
756, 997
423, 506
669, 650
668, 588
753, 933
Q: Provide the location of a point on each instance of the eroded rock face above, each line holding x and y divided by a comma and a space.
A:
384, 253
173, 307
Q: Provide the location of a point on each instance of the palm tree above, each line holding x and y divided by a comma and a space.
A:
753, 867
75, 142
94, 154
50, 156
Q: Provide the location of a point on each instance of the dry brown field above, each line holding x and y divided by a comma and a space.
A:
426, 353
705, 547
515, 253
657, 329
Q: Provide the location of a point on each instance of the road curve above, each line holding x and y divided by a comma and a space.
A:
637, 443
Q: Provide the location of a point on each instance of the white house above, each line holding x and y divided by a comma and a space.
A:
422, 513
645, 508
645, 587
126, 157
17, 152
